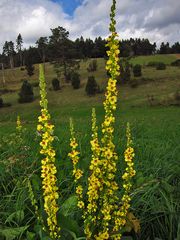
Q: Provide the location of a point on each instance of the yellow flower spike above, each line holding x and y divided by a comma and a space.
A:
109, 190
48, 168
77, 173
94, 180
18, 124
34, 204
121, 214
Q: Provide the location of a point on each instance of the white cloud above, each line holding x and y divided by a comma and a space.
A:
159, 20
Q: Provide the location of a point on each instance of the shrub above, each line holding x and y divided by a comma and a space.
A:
125, 75
68, 76
75, 80
152, 64
134, 83
35, 84
91, 86
26, 93
92, 66
176, 63
137, 70
1, 102
177, 95
29, 68
161, 66
55, 84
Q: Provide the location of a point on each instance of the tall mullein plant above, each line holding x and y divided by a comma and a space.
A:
107, 186
48, 168
104, 213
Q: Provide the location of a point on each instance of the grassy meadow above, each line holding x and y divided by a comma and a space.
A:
155, 130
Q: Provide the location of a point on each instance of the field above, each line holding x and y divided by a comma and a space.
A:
155, 130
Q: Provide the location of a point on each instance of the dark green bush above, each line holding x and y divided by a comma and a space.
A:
176, 63
161, 66
68, 76
152, 64
125, 73
1, 102
134, 83
29, 68
177, 95
137, 70
26, 93
91, 86
55, 84
35, 84
75, 80
92, 66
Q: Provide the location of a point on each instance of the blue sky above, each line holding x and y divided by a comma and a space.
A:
69, 5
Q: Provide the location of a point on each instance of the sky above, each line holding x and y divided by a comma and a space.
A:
157, 20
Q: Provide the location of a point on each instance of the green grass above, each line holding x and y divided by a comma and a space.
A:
165, 58
155, 131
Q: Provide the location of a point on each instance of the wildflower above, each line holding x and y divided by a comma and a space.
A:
48, 168
18, 124
77, 173
121, 214
94, 180
109, 194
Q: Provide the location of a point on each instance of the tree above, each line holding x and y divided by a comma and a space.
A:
164, 48
29, 68
1, 102
56, 84
8, 50
92, 66
62, 51
42, 44
19, 42
125, 75
91, 86
26, 93
75, 80
176, 47
137, 70
99, 48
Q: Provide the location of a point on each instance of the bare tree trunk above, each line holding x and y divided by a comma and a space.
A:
3, 75
11, 62
21, 60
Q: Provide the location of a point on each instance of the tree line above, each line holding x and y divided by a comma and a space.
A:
60, 49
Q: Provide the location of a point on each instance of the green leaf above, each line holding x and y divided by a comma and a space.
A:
68, 224
12, 233
69, 205
17, 216
36, 182
30, 235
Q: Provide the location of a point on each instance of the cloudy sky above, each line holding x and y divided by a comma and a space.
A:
158, 20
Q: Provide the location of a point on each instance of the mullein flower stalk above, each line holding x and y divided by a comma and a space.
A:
121, 214
94, 181
34, 203
77, 172
104, 216
18, 124
108, 155
48, 168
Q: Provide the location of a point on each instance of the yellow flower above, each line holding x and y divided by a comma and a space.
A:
48, 169
81, 204
18, 124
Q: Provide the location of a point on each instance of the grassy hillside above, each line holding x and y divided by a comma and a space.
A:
161, 84
155, 131
165, 58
